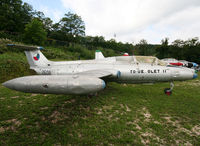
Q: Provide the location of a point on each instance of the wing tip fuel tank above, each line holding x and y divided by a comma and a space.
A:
56, 84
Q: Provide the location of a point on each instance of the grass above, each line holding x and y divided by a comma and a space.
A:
121, 114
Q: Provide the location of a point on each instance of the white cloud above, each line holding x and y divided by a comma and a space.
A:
44, 9
55, 14
132, 20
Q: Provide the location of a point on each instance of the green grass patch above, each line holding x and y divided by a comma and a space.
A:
121, 114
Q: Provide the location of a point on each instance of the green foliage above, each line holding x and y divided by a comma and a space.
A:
60, 53
69, 34
34, 33
81, 51
70, 28
14, 15
163, 50
69, 31
12, 36
108, 52
181, 50
13, 65
72, 24
3, 47
145, 49
47, 22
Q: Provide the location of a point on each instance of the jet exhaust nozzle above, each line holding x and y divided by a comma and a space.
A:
195, 76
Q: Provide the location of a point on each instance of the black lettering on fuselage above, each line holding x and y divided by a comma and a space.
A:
164, 71
154, 71
150, 71
136, 71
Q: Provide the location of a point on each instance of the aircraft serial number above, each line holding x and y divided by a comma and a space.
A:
148, 71
46, 72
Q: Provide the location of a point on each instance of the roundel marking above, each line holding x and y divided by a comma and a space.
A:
36, 57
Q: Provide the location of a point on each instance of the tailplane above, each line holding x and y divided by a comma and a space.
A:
34, 55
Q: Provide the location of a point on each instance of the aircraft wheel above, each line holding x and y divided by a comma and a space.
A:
93, 95
168, 91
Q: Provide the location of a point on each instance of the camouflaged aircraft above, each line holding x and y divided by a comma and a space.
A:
91, 76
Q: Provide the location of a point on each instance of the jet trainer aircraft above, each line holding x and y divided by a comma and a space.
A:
89, 76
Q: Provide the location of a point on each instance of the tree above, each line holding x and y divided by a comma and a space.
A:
14, 15
178, 43
142, 47
192, 42
163, 49
34, 32
70, 28
165, 41
72, 24
47, 22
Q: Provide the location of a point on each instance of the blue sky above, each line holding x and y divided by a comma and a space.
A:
130, 20
51, 8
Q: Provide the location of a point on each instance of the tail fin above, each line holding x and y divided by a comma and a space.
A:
36, 58
98, 55
34, 55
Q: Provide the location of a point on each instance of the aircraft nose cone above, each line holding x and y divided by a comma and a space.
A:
195, 76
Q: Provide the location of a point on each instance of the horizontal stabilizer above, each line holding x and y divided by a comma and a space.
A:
25, 47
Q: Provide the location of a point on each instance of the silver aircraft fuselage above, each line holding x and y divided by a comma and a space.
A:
123, 72
89, 76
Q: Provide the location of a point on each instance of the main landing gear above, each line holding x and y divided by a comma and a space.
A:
92, 95
168, 91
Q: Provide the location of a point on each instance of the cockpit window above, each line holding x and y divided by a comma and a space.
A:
145, 59
169, 59
150, 60
141, 59
161, 63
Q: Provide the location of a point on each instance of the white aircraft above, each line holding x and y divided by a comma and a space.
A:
89, 76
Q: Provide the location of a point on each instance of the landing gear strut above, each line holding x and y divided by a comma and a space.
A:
168, 91
92, 95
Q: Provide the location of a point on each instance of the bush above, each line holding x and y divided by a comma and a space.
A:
34, 33
13, 65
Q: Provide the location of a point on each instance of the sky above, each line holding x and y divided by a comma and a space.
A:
130, 20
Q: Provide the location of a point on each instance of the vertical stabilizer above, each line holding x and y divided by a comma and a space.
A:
36, 58
98, 55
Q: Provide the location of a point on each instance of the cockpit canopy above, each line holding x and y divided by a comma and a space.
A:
141, 59
169, 60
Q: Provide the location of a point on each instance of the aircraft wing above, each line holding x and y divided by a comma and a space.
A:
99, 73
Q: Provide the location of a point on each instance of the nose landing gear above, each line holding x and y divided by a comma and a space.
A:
168, 91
